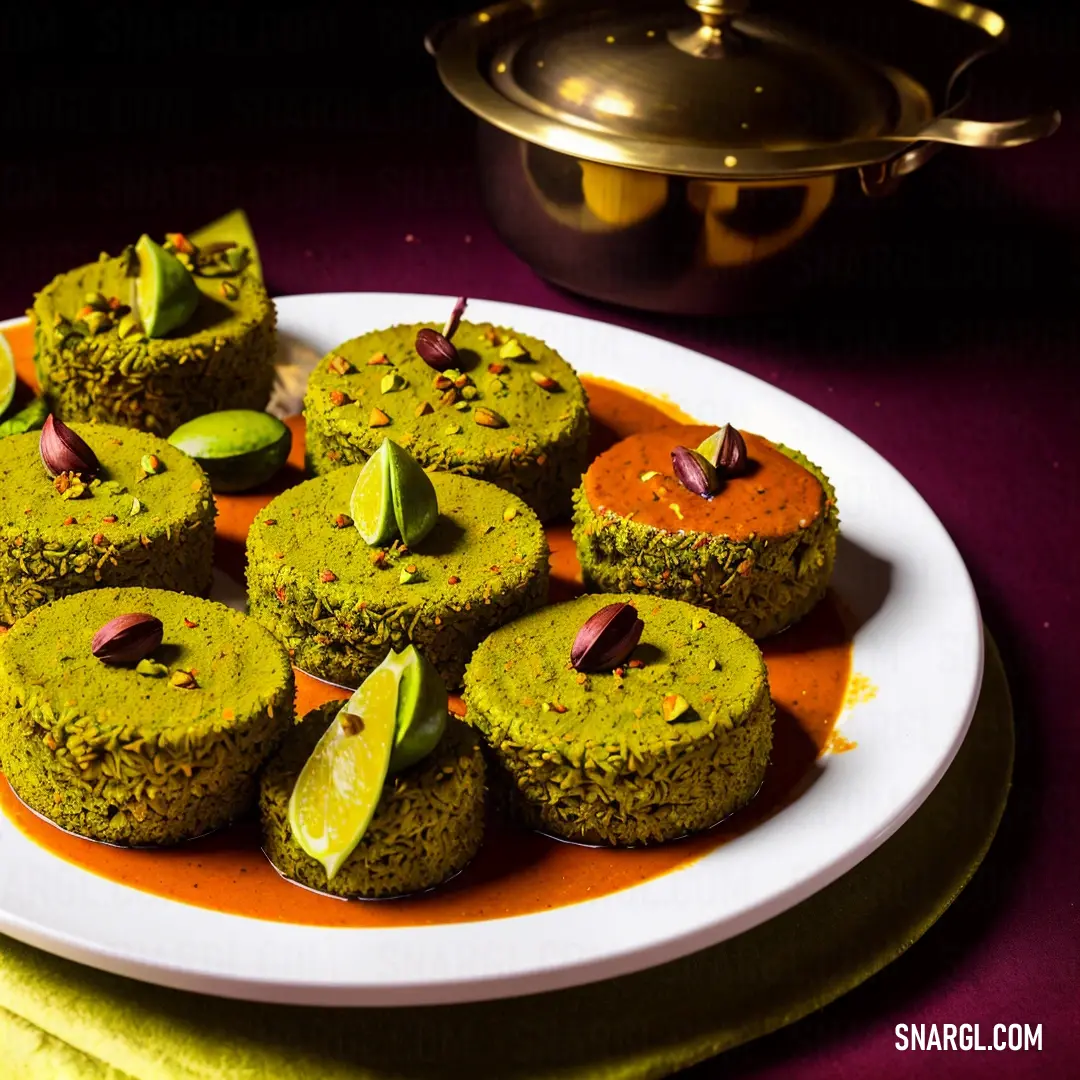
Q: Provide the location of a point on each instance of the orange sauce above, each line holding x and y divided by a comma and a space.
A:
775, 497
515, 873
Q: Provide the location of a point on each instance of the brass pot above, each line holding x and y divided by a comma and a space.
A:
695, 157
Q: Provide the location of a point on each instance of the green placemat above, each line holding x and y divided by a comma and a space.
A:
59, 1020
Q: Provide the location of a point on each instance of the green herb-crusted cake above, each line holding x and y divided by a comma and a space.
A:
670, 741
125, 526
151, 754
340, 605
760, 551
95, 361
428, 824
511, 411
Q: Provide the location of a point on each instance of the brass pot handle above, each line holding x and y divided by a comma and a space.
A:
998, 134
882, 177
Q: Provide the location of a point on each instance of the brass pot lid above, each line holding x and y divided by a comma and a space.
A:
701, 88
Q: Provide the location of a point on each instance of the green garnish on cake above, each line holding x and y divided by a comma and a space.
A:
136, 511
340, 604
159, 334
490, 403
139, 716
376, 797
622, 720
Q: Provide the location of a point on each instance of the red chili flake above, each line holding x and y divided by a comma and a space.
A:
280, 591
341, 521
452, 580
332, 455
69, 521
99, 539
270, 521
541, 459
109, 519
339, 397
496, 569
114, 302
637, 663
700, 542
180, 242
620, 672
84, 311
189, 624
498, 368
379, 558
328, 575
556, 707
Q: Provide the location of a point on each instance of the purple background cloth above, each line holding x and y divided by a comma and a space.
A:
952, 348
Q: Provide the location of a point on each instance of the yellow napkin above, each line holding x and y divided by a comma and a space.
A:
59, 1020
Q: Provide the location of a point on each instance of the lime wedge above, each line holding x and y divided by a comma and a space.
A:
165, 291
7, 375
421, 711
372, 504
416, 507
710, 448
339, 786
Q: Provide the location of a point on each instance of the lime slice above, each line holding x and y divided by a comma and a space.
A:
339, 786
372, 505
416, 507
421, 711
7, 375
165, 291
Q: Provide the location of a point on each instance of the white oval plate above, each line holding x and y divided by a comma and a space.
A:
920, 642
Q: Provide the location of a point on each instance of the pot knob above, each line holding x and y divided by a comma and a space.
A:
718, 13
714, 37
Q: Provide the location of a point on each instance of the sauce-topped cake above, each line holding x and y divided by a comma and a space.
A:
752, 538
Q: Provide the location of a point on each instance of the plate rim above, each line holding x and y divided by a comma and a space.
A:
536, 976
